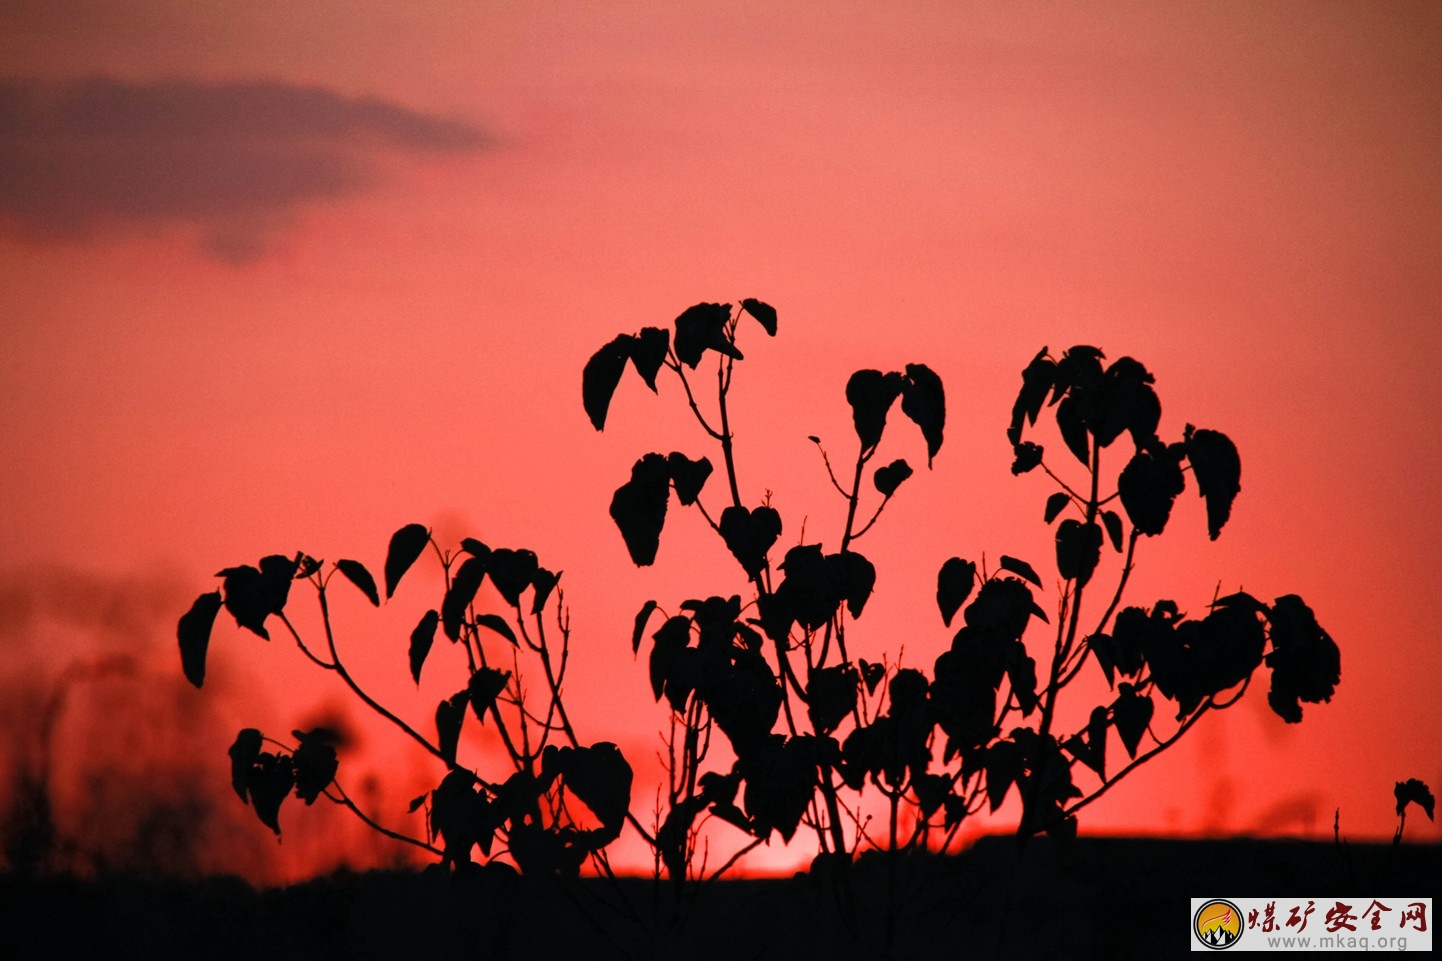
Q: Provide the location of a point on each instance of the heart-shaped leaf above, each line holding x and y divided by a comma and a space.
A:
923, 399
485, 686
648, 353
511, 572
954, 584
749, 534
871, 394
701, 328
639, 508
687, 476
890, 477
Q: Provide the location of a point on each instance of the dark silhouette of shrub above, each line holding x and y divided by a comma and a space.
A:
766, 670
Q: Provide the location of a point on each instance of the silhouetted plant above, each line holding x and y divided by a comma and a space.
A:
767, 670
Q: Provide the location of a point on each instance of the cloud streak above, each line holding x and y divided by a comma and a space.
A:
236, 160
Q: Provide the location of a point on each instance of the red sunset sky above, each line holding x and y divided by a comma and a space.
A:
280, 277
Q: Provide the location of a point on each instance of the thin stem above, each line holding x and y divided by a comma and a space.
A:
344, 800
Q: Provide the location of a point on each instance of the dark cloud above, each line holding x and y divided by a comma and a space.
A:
236, 160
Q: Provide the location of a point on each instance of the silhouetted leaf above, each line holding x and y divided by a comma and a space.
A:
954, 583
1148, 486
511, 572
830, 696
1020, 568
1036, 383
1127, 403
1078, 549
406, 545
244, 754
809, 594
1306, 665
1070, 417
253, 595
749, 534
1002, 608
308, 566
357, 574
475, 548
460, 595
871, 675
1413, 791
871, 394
601, 375
923, 399
763, 312
648, 353
497, 623
1131, 712
1021, 672
642, 617
416, 803
314, 762
600, 776
422, 638
1026, 457
639, 508
543, 582
485, 686
688, 476
1218, 469
1097, 740
1003, 767
852, 576
269, 781
670, 640
780, 780
193, 632
1113, 524
701, 328
450, 715
887, 479
1055, 504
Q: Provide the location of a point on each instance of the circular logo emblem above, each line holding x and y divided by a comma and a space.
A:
1218, 924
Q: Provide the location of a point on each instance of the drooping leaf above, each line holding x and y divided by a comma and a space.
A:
1148, 486
639, 508
450, 715
543, 582
1003, 766
687, 476
923, 399
601, 777
1218, 469
1020, 568
831, 696
648, 353
422, 638
1306, 664
1131, 712
511, 572
780, 779
1127, 402
253, 595
642, 617
871, 394
1055, 504
357, 574
462, 592
887, 479
601, 375
1026, 457
1002, 609
1413, 791
1113, 524
269, 781
763, 312
749, 535
954, 583
1071, 418
497, 623
852, 577
700, 328
485, 685
475, 548
871, 675
193, 632
1078, 549
244, 754
314, 762
670, 640
1036, 383
406, 545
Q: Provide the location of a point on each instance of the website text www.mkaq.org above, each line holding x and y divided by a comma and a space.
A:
1336, 942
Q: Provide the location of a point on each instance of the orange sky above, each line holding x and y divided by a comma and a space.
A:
343, 271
